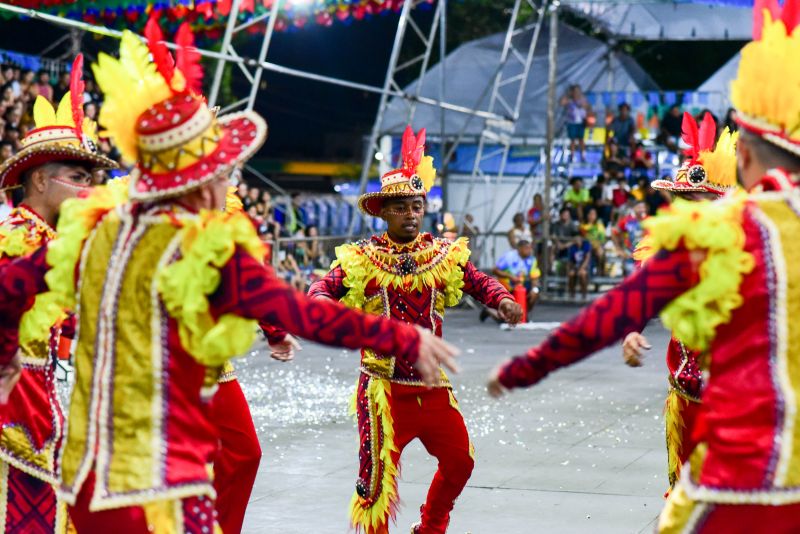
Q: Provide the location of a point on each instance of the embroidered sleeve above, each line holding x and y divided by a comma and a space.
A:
273, 334
20, 281
251, 290
623, 310
483, 287
330, 286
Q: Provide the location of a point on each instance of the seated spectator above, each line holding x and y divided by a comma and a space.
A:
519, 231
45, 89
90, 110
613, 163
642, 162
290, 271
601, 195
535, 215
12, 136
253, 195
620, 193
563, 234
627, 234
314, 253
594, 231
517, 267
469, 229
577, 198
5, 206
656, 199
241, 191
6, 151
730, 121
623, 129
11, 77
61, 87
640, 191
91, 93
579, 257
670, 128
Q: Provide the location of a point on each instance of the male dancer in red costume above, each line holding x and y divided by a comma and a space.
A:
54, 164
183, 287
726, 280
411, 277
707, 174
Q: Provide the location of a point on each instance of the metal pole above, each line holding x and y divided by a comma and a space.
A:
262, 55
373, 138
226, 42
442, 87
552, 60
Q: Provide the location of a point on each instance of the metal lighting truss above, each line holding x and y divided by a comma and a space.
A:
508, 89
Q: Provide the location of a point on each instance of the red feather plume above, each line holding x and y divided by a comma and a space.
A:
158, 48
707, 134
76, 87
412, 149
791, 15
188, 59
690, 134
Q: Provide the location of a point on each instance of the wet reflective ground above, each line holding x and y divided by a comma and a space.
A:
582, 452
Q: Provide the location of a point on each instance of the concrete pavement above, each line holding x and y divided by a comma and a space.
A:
583, 452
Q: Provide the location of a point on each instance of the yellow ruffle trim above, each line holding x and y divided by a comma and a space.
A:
370, 518
715, 228
77, 219
359, 271
16, 241
207, 244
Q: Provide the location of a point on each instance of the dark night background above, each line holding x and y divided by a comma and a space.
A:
315, 121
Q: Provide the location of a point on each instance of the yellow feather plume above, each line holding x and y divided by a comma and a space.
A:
131, 85
426, 172
766, 84
232, 202
43, 112
720, 165
64, 112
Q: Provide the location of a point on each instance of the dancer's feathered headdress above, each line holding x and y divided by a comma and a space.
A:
708, 168
61, 134
766, 91
160, 122
414, 177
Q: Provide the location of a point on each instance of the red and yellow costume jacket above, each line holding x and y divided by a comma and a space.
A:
413, 283
31, 422
727, 281
164, 297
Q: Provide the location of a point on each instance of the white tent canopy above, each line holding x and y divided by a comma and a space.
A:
669, 21
469, 68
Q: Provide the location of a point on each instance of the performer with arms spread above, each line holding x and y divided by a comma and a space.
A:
707, 174
725, 277
167, 288
412, 277
55, 163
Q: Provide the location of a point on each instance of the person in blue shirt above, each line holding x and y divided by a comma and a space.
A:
516, 267
579, 257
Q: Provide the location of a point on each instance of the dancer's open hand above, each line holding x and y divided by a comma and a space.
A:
433, 352
493, 386
284, 351
633, 349
510, 311
9, 376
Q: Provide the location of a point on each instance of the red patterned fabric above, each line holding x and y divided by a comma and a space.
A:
30, 504
198, 516
748, 519
623, 310
684, 369
236, 463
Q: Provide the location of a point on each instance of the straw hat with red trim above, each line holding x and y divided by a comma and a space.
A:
709, 168
159, 121
414, 177
62, 135
764, 92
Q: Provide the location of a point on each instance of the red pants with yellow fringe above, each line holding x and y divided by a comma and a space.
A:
192, 515
236, 464
28, 504
390, 416
682, 515
680, 415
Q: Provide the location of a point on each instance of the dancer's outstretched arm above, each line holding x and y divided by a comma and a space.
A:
252, 290
491, 293
623, 310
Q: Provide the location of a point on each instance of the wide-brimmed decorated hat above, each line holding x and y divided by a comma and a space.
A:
62, 135
414, 177
709, 168
765, 91
161, 123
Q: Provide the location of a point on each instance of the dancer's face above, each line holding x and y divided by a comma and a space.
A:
404, 217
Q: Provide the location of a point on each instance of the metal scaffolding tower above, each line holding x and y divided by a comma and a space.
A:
508, 89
